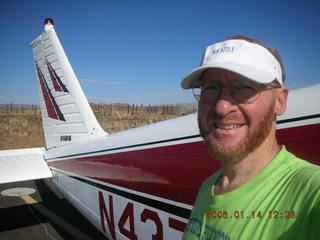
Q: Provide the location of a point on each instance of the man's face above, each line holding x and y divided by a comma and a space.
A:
232, 130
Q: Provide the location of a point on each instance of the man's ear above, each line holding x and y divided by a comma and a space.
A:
281, 101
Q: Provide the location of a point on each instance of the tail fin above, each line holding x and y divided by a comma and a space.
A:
66, 113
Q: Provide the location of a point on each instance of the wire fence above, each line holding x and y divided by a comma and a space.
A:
109, 109
11, 108
135, 109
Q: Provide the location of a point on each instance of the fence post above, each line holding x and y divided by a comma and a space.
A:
102, 112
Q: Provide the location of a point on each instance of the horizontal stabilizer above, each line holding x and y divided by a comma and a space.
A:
23, 164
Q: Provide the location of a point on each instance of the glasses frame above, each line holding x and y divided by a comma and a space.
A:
256, 96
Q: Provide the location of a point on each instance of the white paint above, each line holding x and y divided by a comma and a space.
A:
80, 124
23, 164
86, 199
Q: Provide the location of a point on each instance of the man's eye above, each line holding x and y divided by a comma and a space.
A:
212, 87
243, 87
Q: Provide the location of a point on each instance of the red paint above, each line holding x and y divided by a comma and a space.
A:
167, 172
128, 219
47, 99
153, 216
176, 224
303, 141
56, 81
176, 172
104, 213
128, 214
56, 85
48, 21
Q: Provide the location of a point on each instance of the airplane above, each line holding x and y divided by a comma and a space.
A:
139, 183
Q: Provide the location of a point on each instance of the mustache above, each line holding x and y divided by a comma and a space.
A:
228, 118
212, 121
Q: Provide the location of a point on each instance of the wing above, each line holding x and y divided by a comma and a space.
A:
23, 164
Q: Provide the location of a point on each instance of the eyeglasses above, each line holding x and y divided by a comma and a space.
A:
241, 92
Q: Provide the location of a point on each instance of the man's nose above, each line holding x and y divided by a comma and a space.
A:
224, 102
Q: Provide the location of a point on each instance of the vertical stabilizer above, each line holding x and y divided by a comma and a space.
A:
66, 113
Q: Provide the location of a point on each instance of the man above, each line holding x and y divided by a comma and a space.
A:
262, 191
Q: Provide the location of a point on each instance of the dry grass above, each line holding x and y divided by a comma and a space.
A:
21, 131
120, 121
24, 130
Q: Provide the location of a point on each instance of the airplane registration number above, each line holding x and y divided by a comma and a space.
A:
135, 221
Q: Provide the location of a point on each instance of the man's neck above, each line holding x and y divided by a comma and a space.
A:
234, 176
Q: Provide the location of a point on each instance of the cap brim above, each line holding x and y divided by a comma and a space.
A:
193, 79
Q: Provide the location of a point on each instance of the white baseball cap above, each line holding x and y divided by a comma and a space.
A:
250, 60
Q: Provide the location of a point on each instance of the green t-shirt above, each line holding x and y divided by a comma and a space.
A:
282, 202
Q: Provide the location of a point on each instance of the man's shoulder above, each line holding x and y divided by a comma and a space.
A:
308, 174
293, 161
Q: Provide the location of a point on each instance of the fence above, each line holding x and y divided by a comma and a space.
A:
109, 109
11, 108
134, 109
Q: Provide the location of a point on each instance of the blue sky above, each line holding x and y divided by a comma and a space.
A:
138, 51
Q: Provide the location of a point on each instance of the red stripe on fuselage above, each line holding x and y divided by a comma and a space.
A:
175, 172
303, 141
171, 172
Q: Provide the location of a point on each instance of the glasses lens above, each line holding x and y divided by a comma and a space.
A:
240, 92
210, 93
244, 92
196, 93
